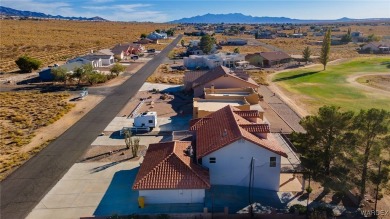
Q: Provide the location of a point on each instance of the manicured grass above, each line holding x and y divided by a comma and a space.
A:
315, 88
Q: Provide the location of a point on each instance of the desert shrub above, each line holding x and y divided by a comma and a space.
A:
27, 64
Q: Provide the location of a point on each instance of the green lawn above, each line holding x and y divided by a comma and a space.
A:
315, 88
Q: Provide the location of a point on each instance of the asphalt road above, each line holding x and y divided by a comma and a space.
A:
25, 187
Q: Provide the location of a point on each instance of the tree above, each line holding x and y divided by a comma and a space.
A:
117, 68
27, 64
79, 74
60, 74
143, 35
206, 43
182, 43
325, 49
325, 137
170, 32
371, 135
347, 37
158, 31
372, 38
306, 54
236, 50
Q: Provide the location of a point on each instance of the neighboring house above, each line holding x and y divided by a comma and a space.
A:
234, 42
46, 74
167, 175
103, 57
376, 47
127, 49
147, 41
296, 35
157, 36
215, 99
230, 60
281, 34
356, 34
274, 58
95, 62
265, 35
222, 77
236, 150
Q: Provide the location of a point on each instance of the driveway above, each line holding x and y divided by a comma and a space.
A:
24, 188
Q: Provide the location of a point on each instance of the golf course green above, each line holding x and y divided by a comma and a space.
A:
313, 87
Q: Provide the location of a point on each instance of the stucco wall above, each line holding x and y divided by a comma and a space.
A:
232, 166
173, 196
220, 83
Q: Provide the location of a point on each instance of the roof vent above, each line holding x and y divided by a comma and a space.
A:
224, 133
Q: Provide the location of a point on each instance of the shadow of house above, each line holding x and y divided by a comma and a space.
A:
119, 198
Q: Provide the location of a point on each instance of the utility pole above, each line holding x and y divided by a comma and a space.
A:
377, 187
308, 196
251, 176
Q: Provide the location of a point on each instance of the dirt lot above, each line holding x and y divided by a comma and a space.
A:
165, 75
58, 43
174, 104
38, 135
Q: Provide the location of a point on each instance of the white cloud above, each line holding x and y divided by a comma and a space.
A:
29, 5
103, 8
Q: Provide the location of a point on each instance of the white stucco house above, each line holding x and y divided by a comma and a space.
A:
236, 149
167, 175
229, 60
97, 62
157, 36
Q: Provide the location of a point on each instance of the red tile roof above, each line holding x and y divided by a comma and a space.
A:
221, 71
196, 123
247, 113
225, 127
166, 167
256, 128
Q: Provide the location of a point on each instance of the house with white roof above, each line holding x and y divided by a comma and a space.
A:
230, 60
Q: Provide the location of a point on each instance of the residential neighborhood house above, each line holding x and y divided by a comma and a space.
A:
376, 47
235, 149
230, 60
157, 36
268, 59
219, 77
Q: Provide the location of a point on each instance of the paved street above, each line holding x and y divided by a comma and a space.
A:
23, 189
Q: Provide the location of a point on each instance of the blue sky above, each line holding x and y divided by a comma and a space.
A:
162, 11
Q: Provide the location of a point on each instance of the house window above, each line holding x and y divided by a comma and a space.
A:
272, 161
212, 160
150, 121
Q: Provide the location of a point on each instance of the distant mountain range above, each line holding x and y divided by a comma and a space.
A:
241, 18
13, 12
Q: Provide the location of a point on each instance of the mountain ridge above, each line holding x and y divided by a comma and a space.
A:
241, 18
5, 11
